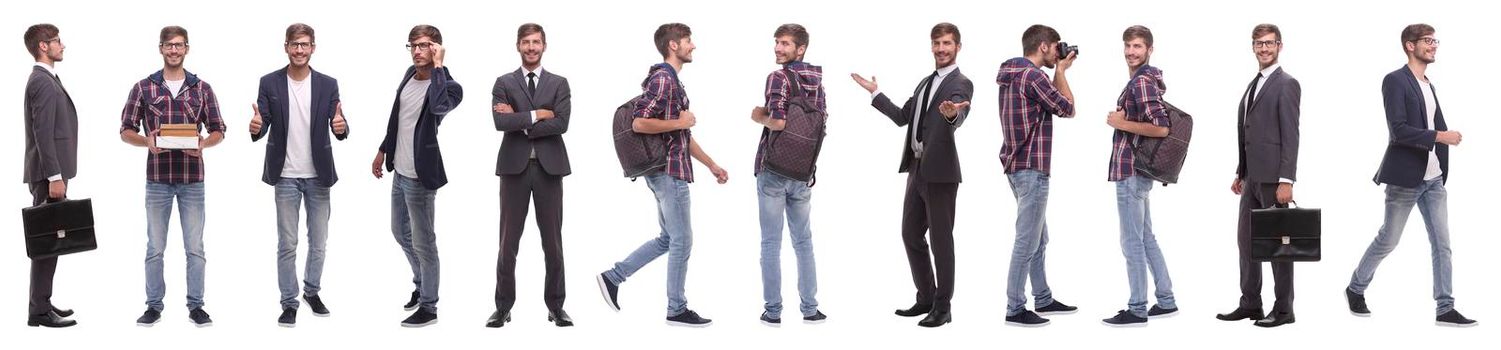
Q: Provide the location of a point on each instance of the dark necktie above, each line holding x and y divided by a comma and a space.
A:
922, 110
531, 84
1251, 94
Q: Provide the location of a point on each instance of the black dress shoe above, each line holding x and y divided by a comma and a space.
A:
498, 319
1276, 319
1241, 313
62, 312
49, 320
560, 318
915, 310
936, 318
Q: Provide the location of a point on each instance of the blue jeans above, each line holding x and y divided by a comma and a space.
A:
159, 198
778, 194
1139, 245
676, 240
1432, 200
1028, 254
412, 224
289, 194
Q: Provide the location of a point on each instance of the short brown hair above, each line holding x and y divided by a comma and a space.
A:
37, 34
945, 28
169, 32
1138, 31
1264, 29
1415, 32
529, 29
1036, 35
670, 33
428, 31
796, 31
297, 29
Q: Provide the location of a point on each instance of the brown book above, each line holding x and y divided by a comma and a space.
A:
179, 130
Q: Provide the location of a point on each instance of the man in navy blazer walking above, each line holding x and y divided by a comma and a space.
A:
299, 107
1415, 168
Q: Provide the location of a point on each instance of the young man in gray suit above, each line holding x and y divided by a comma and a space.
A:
300, 107
51, 157
1414, 169
531, 107
936, 109
1267, 130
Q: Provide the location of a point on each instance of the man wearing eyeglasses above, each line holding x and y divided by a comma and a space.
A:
1267, 130
410, 148
51, 158
1414, 169
172, 95
299, 107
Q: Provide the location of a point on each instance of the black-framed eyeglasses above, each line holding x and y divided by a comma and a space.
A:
174, 46
301, 45
424, 46
1429, 41
1265, 43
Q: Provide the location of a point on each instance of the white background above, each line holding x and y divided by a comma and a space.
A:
1338, 50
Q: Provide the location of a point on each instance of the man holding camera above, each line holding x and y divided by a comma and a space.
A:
1028, 102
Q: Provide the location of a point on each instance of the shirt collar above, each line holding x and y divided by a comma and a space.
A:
944, 72
1265, 73
46, 67
538, 71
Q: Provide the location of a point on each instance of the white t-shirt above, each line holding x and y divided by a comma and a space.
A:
299, 162
174, 86
1431, 103
412, 98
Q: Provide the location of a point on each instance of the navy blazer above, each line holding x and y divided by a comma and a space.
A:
275, 108
1411, 138
443, 95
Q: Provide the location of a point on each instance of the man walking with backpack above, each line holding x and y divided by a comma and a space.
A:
1140, 112
662, 109
796, 82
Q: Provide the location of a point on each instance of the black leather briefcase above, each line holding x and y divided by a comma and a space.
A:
1285, 234
59, 228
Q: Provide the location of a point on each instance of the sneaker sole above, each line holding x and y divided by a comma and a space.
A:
815, 321
322, 314
1357, 314
202, 325
689, 325
419, 325
147, 325
1019, 324
1125, 325
1049, 313
604, 292
286, 325
771, 324
409, 308
1455, 325
1166, 315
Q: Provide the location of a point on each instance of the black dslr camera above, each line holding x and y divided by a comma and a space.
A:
1064, 49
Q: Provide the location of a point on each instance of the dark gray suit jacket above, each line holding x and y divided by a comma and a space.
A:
1269, 135
51, 129
521, 135
275, 108
940, 161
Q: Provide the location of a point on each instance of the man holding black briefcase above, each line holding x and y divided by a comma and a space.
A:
51, 158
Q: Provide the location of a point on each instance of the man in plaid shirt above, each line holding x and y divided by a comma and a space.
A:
663, 109
778, 195
173, 96
1028, 101
1139, 113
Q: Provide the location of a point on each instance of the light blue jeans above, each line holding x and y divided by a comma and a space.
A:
778, 194
675, 240
1139, 245
412, 210
1028, 254
291, 193
1432, 201
159, 197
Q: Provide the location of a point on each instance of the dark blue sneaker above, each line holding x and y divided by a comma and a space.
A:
818, 317
689, 319
200, 318
1454, 319
419, 319
149, 318
609, 290
1026, 319
1125, 319
1157, 311
767, 320
1056, 308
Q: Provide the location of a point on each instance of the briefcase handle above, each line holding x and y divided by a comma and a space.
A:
1292, 204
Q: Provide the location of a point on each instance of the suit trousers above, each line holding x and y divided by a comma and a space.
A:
546, 192
928, 214
1260, 196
